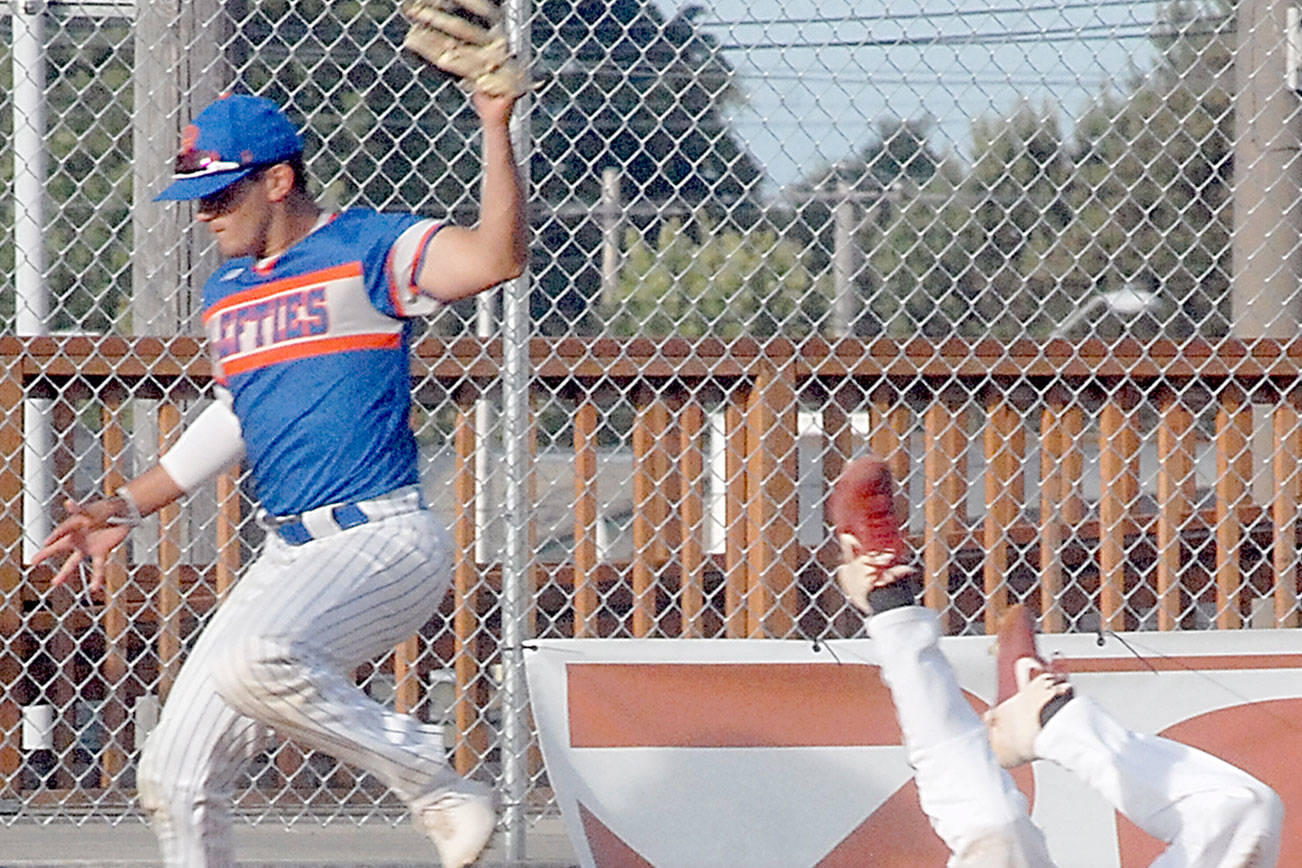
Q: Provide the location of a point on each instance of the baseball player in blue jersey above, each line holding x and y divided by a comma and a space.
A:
307, 323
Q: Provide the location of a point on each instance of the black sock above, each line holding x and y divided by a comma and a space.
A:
895, 595
1053, 706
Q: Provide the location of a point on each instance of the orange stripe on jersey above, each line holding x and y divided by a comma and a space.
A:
338, 272
307, 349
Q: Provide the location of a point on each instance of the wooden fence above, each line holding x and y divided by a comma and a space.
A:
1116, 555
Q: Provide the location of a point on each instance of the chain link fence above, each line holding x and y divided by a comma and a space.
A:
1042, 256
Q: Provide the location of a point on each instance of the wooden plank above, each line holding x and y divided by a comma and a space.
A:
691, 512
772, 513
1071, 427
1287, 422
159, 359
1062, 508
838, 449
1051, 535
945, 487
649, 424
228, 531
892, 423
472, 690
664, 469
585, 520
169, 563
1118, 488
1005, 450
406, 678
1233, 475
116, 615
1176, 492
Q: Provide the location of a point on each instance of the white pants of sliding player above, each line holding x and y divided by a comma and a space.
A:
1210, 813
278, 654
972, 803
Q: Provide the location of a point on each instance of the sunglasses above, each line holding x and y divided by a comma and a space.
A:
228, 198
191, 162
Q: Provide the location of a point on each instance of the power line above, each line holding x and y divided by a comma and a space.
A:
1080, 33
1093, 33
929, 76
913, 16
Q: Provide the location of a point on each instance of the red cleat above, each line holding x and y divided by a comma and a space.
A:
874, 554
862, 504
1019, 658
1029, 692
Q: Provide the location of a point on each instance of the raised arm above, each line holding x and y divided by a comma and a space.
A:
462, 261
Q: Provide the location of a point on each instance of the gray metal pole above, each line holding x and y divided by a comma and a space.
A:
485, 421
1267, 234
179, 68
1267, 240
32, 306
515, 435
844, 260
611, 219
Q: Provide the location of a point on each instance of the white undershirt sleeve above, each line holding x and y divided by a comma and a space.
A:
208, 446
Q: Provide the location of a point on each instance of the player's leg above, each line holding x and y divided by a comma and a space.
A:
337, 602
972, 804
189, 763
1209, 812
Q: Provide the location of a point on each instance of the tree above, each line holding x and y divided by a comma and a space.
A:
1017, 196
629, 90
892, 183
622, 86
697, 279
1154, 167
1139, 194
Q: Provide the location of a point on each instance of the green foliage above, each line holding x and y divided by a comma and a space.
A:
699, 280
88, 230
1038, 221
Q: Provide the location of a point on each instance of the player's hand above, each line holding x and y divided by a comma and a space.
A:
493, 109
86, 533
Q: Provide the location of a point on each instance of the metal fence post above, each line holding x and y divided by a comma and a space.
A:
517, 557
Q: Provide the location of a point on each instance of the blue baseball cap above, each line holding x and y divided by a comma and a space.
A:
229, 140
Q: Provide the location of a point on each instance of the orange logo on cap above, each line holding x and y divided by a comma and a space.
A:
189, 138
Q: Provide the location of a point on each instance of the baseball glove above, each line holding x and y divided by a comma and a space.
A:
465, 39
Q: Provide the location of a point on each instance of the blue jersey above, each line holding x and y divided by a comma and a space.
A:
313, 348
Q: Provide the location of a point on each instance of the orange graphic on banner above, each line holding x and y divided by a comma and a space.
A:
728, 705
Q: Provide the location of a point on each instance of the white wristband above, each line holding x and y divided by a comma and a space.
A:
133, 518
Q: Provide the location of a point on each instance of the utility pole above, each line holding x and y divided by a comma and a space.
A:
1267, 239
611, 220
845, 260
1267, 234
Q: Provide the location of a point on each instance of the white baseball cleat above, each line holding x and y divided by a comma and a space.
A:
459, 819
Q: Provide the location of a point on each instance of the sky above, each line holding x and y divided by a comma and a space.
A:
817, 74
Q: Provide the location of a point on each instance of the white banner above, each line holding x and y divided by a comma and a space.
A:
681, 753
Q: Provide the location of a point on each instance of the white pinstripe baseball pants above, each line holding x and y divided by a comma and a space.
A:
278, 653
